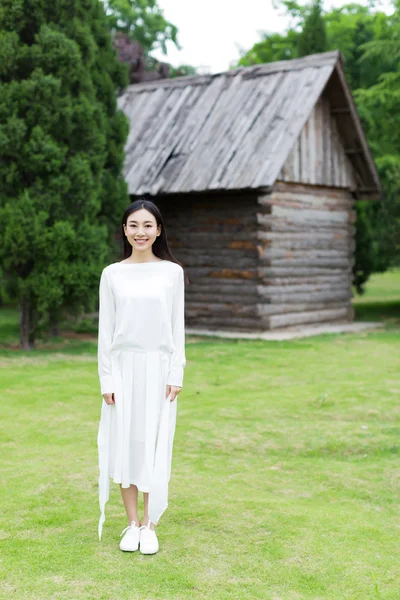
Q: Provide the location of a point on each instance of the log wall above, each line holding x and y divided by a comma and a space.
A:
258, 262
306, 247
215, 237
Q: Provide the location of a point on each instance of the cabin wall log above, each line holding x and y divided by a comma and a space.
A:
342, 314
229, 323
318, 280
305, 255
278, 286
304, 307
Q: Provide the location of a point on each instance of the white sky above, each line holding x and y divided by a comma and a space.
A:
212, 31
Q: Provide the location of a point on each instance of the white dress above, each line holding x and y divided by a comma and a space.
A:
141, 350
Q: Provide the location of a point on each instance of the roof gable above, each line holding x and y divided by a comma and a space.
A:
232, 130
318, 156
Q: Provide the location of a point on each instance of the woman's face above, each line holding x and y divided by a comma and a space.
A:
141, 230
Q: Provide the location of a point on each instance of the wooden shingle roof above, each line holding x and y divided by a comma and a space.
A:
234, 130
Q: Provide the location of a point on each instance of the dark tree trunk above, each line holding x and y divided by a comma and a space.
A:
54, 324
27, 324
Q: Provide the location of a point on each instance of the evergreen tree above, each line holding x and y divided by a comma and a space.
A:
61, 153
312, 38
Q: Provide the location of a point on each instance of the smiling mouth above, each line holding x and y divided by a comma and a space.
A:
142, 240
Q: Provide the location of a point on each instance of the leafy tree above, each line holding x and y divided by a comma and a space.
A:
369, 40
312, 38
61, 153
364, 261
272, 47
379, 106
182, 71
143, 21
137, 28
348, 28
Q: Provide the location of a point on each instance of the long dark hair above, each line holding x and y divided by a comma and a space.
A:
160, 246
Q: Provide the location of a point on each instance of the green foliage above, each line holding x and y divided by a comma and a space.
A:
370, 42
388, 225
348, 29
182, 71
272, 47
138, 27
61, 151
364, 259
379, 107
144, 21
312, 38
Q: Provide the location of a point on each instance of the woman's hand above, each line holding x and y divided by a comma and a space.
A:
109, 398
173, 391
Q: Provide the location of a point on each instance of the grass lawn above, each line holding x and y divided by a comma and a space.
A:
285, 477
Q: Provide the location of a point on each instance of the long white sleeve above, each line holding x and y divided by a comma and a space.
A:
178, 359
106, 333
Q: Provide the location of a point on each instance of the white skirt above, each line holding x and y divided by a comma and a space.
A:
135, 436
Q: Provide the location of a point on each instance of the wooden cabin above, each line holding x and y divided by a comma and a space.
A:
256, 172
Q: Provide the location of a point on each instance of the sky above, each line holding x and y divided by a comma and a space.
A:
211, 32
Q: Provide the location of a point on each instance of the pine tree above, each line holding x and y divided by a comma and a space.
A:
61, 154
312, 38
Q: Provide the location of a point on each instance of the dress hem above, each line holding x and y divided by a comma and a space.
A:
139, 487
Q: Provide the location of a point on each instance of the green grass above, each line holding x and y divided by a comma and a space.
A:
285, 476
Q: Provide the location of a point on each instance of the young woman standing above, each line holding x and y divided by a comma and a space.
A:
141, 361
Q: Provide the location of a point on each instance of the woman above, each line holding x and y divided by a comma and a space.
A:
141, 361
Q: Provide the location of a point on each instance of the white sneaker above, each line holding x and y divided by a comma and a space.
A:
130, 541
148, 540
